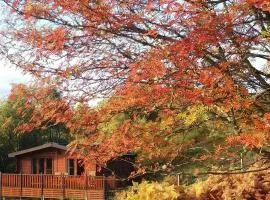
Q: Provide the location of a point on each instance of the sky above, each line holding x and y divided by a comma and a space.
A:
10, 75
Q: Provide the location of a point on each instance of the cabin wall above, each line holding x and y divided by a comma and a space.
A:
91, 169
59, 157
25, 166
61, 164
25, 161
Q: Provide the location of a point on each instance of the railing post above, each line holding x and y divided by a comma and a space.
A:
104, 186
178, 179
41, 186
63, 186
21, 185
1, 186
86, 186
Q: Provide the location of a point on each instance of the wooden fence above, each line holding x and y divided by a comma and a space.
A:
54, 186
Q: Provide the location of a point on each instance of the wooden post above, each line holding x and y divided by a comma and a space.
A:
75, 167
0, 185
41, 186
104, 186
21, 185
178, 179
63, 186
241, 162
86, 186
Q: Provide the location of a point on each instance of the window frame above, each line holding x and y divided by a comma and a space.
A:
36, 165
46, 166
68, 167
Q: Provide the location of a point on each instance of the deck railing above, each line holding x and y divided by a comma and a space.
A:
56, 185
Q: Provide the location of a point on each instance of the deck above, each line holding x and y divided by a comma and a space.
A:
54, 186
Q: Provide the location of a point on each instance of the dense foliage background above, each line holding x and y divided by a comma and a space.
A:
183, 84
12, 139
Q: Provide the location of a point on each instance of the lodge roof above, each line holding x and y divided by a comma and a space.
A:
44, 146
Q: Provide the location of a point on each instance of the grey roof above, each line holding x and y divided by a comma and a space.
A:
44, 146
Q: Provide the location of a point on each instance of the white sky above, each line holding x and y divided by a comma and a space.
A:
8, 73
8, 76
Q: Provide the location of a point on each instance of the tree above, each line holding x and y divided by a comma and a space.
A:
8, 139
16, 132
162, 63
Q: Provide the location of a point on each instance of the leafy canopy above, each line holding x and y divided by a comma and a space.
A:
180, 76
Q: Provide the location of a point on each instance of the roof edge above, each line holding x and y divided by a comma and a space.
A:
40, 147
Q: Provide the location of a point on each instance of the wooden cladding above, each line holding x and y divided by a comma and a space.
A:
54, 186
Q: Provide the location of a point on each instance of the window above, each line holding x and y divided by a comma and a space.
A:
34, 166
49, 166
71, 170
75, 167
41, 166
80, 167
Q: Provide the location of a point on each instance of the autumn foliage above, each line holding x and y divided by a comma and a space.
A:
241, 186
147, 190
182, 82
43, 108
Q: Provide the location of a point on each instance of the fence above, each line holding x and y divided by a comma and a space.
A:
54, 186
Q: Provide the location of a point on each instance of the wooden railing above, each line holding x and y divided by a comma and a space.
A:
52, 181
62, 185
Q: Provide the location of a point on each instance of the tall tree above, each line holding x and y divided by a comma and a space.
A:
163, 63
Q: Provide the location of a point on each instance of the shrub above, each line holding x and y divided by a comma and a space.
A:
232, 187
149, 191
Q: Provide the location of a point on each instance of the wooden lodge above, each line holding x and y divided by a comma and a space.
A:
49, 172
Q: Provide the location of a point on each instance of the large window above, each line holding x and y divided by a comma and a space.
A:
42, 166
49, 166
80, 167
75, 167
71, 169
34, 166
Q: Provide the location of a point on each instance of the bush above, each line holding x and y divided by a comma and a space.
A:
248, 186
149, 191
